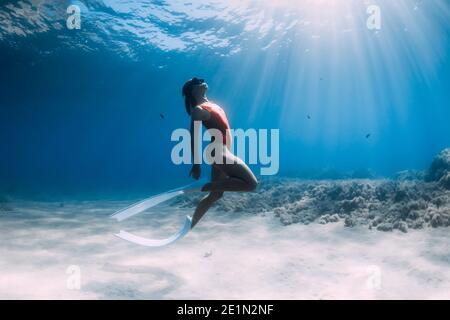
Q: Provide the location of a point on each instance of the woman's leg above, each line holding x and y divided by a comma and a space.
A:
238, 176
207, 202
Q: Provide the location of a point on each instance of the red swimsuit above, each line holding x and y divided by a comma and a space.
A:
218, 119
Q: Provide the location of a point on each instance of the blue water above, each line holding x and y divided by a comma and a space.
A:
80, 109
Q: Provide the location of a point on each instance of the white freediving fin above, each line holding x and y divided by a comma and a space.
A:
143, 205
156, 242
148, 203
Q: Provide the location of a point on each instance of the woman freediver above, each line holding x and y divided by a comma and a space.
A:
228, 172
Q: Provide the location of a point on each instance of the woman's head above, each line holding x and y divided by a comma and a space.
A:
194, 91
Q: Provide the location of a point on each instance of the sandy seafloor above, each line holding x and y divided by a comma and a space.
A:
227, 256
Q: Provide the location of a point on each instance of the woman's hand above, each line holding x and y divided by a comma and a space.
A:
195, 171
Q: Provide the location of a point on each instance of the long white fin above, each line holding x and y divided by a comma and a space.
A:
156, 242
143, 205
148, 203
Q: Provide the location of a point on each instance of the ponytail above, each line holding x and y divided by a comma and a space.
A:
188, 104
189, 100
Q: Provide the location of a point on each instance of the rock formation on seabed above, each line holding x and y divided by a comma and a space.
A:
412, 200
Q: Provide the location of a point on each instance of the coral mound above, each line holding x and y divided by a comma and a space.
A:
412, 200
381, 204
440, 166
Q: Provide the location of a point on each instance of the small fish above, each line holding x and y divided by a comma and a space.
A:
368, 136
308, 116
161, 115
207, 254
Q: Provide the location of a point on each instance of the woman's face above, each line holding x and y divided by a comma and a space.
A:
199, 90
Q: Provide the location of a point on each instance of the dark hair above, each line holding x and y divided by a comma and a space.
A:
189, 100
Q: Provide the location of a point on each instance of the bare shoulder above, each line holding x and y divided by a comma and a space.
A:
199, 113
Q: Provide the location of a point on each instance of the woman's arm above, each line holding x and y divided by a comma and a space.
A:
194, 140
197, 116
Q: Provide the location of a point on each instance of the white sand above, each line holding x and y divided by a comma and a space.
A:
251, 257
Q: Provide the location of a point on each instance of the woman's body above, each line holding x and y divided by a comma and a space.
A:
229, 173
